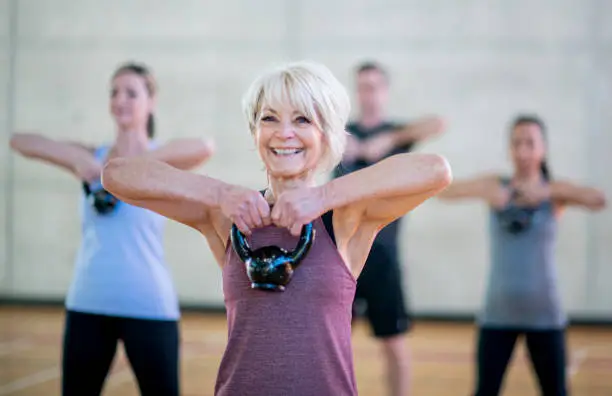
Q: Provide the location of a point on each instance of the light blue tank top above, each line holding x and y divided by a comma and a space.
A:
120, 265
522, 289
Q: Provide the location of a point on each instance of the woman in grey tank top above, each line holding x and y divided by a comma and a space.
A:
522, 296
295, 341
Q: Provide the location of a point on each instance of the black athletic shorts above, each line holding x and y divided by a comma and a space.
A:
380, 287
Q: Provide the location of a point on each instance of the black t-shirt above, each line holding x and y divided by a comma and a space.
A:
387, 236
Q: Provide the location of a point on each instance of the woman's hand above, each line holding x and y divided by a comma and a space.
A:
531, 194
88, 170
295, 208
246, 208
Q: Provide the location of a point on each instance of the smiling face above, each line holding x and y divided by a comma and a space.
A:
297, 115
289, 143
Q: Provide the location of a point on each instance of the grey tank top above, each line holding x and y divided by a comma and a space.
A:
522, 290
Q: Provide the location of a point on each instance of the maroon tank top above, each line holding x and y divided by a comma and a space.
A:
296, 342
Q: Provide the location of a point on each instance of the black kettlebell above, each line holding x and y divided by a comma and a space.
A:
516, 219
102, 201
271, 267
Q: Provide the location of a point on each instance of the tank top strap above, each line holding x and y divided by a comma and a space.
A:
328, 222
505, 180
101, 152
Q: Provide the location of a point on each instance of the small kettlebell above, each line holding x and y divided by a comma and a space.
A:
102, 201
271, 267
516, 219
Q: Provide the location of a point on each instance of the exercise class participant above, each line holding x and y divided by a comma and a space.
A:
522, 296
380, 287
289, 330
122, 288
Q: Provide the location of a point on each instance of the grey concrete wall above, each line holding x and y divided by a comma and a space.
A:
475, 62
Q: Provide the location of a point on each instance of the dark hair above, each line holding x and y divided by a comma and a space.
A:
372, 66
522, 119
144, 72
151, 126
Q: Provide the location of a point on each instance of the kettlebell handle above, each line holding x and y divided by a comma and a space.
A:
240, 244
302, 247
243, 249
103, 201
86, 188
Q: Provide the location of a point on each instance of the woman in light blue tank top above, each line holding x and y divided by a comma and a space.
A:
122, 288
522, 297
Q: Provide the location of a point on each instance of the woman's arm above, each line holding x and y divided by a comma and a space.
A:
389, 189
380, 146
69, 156
420, 130
485, 187
366, 200
568, 193
152, 184
184, 153
85, 147
203, 203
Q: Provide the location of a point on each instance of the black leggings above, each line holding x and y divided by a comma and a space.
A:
90, 343
546, 350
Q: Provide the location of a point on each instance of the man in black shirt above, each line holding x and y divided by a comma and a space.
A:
372, 139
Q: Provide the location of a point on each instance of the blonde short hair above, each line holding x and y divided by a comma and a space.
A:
312, 89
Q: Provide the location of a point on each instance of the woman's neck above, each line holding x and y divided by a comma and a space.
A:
277, 186
131, 142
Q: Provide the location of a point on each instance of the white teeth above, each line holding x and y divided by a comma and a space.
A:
286, 151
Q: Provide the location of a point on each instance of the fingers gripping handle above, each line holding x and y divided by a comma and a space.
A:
86, 188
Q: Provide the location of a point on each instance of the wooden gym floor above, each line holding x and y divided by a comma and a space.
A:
30, 340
